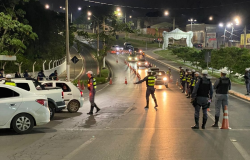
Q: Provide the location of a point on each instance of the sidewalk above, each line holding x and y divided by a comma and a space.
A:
237, 89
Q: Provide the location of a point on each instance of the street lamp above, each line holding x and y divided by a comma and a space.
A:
79, 8
166, 13
118, 9
192, 21
88, 18
60, 7
130, 16
46, 6
89, 13
211, 18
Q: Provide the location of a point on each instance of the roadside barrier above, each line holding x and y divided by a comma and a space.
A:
110, 82
126, 82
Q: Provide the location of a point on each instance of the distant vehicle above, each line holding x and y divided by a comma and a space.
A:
138, 51
54, 95
142, 63
73, 97
161, 78
157, 40
197, 45
128, 45
22, 110
116, 48
154, 70
132, 58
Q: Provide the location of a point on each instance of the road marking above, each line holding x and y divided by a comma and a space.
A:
82, 63
74, 152
128, 110
242, 151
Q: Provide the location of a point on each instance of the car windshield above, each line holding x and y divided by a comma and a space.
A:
160, 73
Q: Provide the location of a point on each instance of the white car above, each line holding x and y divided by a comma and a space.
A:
116, 48
73, 97
22, 110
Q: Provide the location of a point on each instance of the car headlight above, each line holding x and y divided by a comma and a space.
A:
140, 51
129, 58
135, 58
129, 50
139, 63
164, 79
159, 73
146, 63
117, 48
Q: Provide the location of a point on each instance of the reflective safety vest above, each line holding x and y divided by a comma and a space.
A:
10, 83
181, 74
189, 79
168, 72
194, 82
151, 81
94, 83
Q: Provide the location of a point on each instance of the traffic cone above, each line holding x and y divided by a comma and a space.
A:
110, 82
117, 61
177, 82
208, 109
79, 84
225, 122
126, 82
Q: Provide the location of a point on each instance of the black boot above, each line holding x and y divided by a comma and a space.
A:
204, 123
156, 105
188, 96
91, 110
97, 109
196, 126
147, 104
216, 122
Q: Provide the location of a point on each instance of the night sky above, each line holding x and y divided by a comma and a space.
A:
221, 10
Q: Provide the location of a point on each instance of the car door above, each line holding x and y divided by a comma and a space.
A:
9, 102
68, 95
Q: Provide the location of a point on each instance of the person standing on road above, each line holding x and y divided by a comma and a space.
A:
92, 88
26, 74
194, 80
150, 82
189, 78
201, 96
183, 79
1, 73
247, 80
222, 85
17, 75
8, 80
169, 74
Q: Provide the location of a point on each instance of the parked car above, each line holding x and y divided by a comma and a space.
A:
22, 110
54, 95
197, 45
73, 97
128, 45
142, 63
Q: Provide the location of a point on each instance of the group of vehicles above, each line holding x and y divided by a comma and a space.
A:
31, 103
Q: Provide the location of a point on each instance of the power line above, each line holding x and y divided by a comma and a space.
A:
135, 7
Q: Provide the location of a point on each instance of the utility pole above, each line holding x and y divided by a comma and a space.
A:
104, 41
173, 27
125, 18
67, 39
98, 38
245, 36
71, 17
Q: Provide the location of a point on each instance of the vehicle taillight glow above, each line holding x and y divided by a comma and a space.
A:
41, 101
81, 93
62, 95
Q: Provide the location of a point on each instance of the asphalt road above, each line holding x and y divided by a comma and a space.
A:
125, 130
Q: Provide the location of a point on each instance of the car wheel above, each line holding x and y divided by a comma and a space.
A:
73, 106
52, 110
22, 123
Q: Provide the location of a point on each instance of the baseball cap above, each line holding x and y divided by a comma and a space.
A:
193, 70
89, 72
223, 71
204, 72
8, 76
247, 69
197, 73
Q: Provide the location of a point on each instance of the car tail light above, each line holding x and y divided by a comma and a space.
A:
41, 101
62, 95
81, 93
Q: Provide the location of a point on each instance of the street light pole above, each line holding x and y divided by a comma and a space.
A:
67, 39
245, 36
98, 38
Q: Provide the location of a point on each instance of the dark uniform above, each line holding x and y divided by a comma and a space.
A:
202, 92
189, 78
40, 76
92, 88
26, 74
1, 73
183, 80
222, 85
150, 82
247, 81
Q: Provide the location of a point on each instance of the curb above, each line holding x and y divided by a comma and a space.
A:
232, 92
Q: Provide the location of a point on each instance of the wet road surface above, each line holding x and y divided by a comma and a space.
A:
123, 129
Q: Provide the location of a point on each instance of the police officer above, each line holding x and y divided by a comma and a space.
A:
183, 79
247, 80
92, 88
150, 82
202, 94
8, 80
189, 77
193, 82
169, 74
222, 85
26, 74
40, 75
1, 73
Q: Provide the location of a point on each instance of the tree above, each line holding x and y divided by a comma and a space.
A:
14, 35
